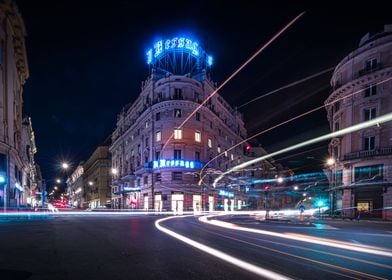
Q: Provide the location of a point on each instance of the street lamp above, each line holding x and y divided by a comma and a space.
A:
296, 188
331, 162
114, 171
58, 181
90, 183
65, 165
56, 188
280, 180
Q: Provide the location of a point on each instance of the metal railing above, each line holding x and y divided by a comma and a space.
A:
368, 153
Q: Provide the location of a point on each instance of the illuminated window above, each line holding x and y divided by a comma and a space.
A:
218, 149
225, 153
209, 143
177, 134
197, 136
146, 124
232, 157
158, 136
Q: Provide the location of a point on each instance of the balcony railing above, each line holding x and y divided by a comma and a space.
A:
368, 153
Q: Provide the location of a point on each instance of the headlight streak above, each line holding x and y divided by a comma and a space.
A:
376, 121
220, 255
337, 267
285, 122
303, 238
308, 249
270, 41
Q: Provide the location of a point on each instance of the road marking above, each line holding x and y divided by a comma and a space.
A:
304, 238
219, 254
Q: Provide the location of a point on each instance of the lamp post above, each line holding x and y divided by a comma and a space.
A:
331, 163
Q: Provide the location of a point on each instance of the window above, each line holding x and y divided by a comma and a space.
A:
366, 173
197, 116
197, 136
210, 124
158, 136
177, 113
178, 93
369, 143
218, 149
157, 155
336, 126
371, 64
146, 124
158, 177
197, 156
177, 134
232, 157
371, 90
147, 140
225, 153
158, 116
132, 152
369, 114
336, 106
209, 143
197, 97
177, 176
145, 180
177, 154
339, 178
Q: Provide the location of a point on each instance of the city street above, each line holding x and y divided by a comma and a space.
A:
131, 247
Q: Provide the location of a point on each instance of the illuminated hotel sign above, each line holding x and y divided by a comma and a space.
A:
167, 163
175, 44
226, 193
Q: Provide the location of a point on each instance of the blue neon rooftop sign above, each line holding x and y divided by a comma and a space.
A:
176, 44
167, 163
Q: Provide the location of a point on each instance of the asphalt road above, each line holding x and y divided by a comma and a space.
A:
122, 247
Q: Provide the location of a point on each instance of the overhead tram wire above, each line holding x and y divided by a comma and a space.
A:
285, 122
269, 42
288, 86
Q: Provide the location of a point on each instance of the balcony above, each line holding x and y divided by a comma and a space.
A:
368, 153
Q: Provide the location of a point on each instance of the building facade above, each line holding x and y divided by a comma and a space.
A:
361, 175
168, 134
15, 164
76, 192
97, 178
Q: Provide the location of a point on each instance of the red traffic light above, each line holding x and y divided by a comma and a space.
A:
266, 188
247, 148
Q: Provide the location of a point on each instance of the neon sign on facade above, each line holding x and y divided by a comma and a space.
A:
166, 163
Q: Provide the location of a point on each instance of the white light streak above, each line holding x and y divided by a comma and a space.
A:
303, 238
382, 119
219, 254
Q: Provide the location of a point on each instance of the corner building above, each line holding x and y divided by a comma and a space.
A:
152, 175
361, 176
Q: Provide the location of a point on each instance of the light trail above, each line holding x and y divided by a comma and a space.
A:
285, 122
329, 265
288, 86
221, 255
270, 41
376, 121
303, 238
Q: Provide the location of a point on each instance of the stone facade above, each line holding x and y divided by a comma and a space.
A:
361, 177
16, 164
97, 179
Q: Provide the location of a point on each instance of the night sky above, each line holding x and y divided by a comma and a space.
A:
87, 61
